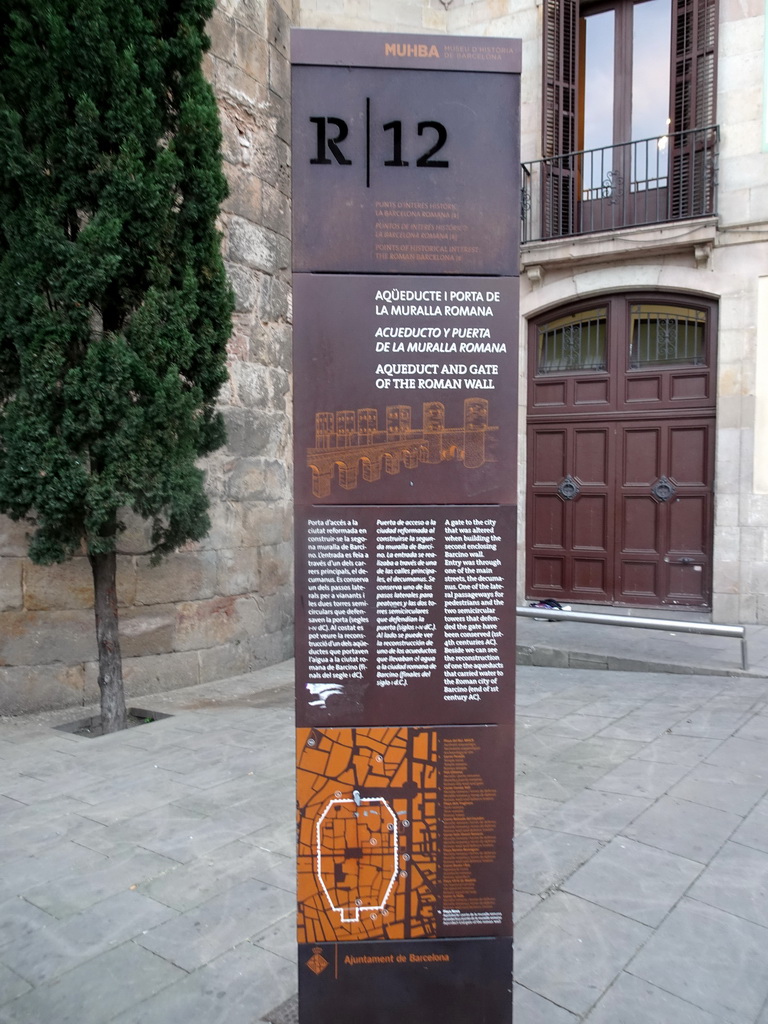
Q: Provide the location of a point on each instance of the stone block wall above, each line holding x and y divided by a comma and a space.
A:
222, 606
378, 15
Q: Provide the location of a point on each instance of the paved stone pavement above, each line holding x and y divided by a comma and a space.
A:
147, 877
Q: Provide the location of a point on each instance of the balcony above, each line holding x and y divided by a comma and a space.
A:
651, 181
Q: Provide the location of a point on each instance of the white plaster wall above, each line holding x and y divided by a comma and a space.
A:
743, 167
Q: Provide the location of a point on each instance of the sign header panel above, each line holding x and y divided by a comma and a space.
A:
415, 172
404, 50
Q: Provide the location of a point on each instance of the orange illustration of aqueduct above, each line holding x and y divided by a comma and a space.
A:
348, 442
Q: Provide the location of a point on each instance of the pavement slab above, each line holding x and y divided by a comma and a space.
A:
687, 829
524, 903
543, 858
716, 721
756, 728
726, 789
602, 752
754, 829
673, 749
191, 939
710, 958
631, 1000
579, 726
185, 886
641, 778
641, 833
569, 950
736, 881
531, 1008
46, 951
634, 880
11, 985
594, 814
96, 991
530, 809
279, 937
79, 889
745, 755
557, 779
238, 987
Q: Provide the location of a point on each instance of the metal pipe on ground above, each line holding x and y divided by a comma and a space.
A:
640, 622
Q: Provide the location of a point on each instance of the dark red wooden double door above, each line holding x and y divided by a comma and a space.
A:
621, 456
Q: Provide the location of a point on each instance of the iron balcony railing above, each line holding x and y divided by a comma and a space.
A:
651, 181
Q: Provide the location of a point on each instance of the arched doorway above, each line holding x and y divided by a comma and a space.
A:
621, 432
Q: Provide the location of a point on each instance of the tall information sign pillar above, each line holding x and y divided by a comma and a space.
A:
406, 221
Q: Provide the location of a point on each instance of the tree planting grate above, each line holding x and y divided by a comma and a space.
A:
285, 1013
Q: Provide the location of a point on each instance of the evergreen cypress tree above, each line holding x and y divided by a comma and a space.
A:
114, 304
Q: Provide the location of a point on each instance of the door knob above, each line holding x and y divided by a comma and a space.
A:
663, 489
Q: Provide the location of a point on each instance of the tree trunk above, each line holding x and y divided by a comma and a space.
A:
113, 714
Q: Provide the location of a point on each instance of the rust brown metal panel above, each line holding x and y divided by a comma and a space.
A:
405, 615
399, 51
408, 399
412, 172
406, 218
450, 981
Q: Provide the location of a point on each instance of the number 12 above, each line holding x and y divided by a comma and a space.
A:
426, 159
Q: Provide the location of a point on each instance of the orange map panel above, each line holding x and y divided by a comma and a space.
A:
367, 833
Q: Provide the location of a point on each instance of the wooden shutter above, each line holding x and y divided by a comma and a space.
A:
560, 102
560, 116
693, 106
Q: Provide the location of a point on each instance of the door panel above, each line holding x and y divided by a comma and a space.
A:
686, 585
590, 456
549, 456
633, 525
589, 578
570, 511
549, 574
639, 525
548, 521
589, 524
688, 522
641, 457
666, 495
688, 455
639, 581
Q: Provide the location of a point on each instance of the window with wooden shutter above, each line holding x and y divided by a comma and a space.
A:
692, 112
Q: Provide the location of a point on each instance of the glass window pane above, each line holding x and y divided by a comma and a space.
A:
573, 343
598, 79
664, 335
651, 28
